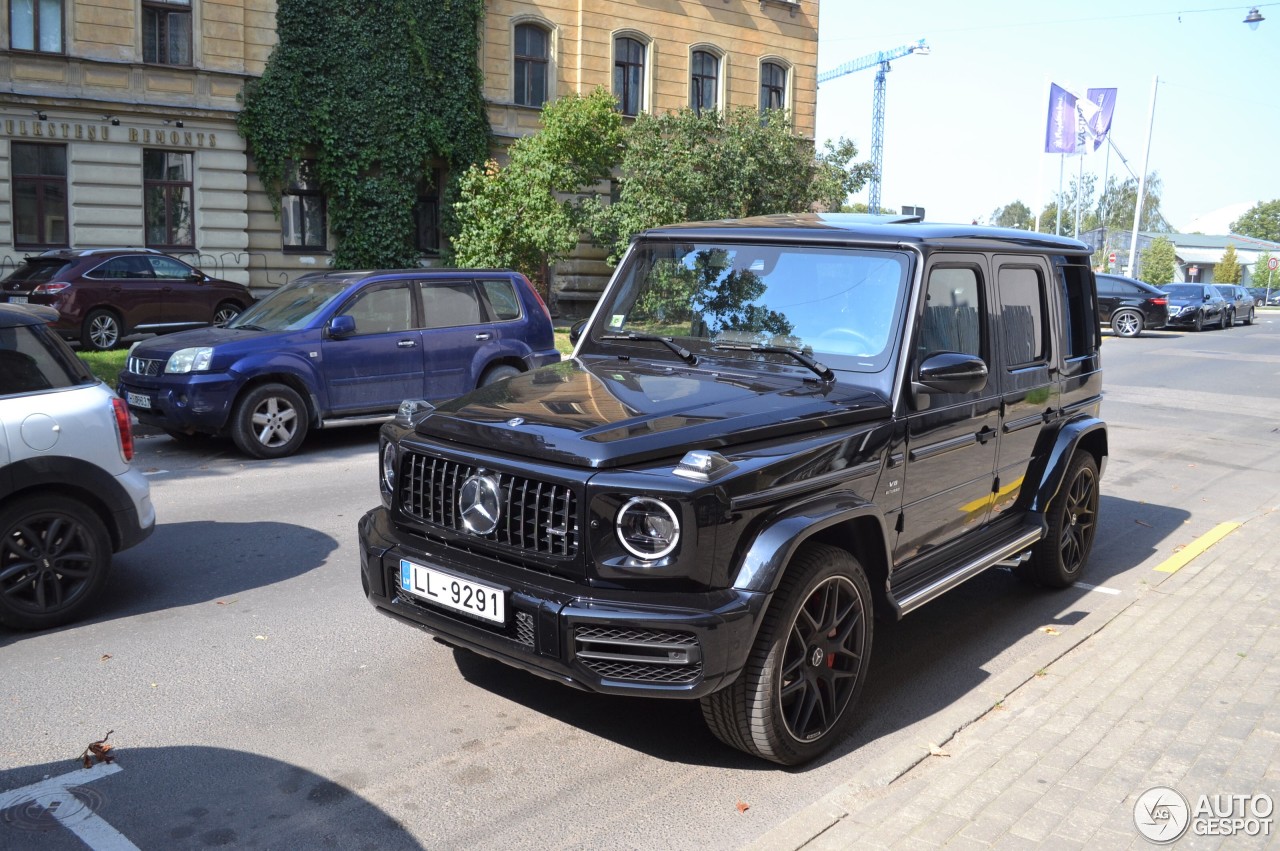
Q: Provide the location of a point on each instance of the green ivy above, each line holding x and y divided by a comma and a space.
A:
375, 94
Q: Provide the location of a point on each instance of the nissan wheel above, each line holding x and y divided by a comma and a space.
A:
270, 421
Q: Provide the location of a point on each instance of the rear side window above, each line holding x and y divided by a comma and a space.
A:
502, 298
31, 362
1022, 314
450, 305
1082, 315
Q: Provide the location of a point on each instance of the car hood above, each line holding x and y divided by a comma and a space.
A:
609, 413
213, 336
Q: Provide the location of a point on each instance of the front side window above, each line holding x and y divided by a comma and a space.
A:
704, 81
628, 75
167, 197
39, 195
773, 86
952, 312
170, 269
531, 55
382, 310
302, 213
35, 25
166, 32
126, 267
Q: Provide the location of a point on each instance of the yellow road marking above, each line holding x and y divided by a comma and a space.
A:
1183, 557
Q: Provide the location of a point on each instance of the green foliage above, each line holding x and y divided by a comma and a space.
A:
106, 365
1262, 221
1227, 270
1158, 262
1262, 274
515, 216
685, 166
1112, 208
1015, 215
376, 96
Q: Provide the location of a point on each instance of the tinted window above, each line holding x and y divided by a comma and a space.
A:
167, 267
1081, 318
1021, 314
449, 305
40, 271
130, 266
502, 298
30, 362
952, 312
381, 311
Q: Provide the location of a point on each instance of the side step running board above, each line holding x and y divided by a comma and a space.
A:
357, 421
968, 570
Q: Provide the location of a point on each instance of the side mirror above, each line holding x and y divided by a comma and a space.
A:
575, 332
342, 326
952, 372
196, 277
1208, 297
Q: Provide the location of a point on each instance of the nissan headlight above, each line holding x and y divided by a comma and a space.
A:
190, 360
648, 528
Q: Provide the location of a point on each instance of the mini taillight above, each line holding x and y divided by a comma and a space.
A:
123, 430
50, 289
538, 296
1160, 300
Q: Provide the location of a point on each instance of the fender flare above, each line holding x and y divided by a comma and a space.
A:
92, 485
774, 545
1089, 433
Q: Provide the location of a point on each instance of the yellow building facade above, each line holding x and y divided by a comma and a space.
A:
117, 117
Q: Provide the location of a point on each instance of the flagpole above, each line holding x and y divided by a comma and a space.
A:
1079, 183
1142, 184
1062, 164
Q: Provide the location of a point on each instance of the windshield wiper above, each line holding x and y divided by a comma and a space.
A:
249, 328
680, 351
822, 370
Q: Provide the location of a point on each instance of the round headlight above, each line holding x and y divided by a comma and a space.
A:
648, 528
389, 468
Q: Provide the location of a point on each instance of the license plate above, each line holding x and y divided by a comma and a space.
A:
138, 400
17, 299
453, 592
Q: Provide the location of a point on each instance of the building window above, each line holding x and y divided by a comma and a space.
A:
167, 198
166, 32
532, 43
628, 75
302, 208
39, 195
773, 86
35, 25
704, 81
426, 215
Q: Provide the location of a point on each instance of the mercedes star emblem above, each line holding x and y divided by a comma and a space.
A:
480, 504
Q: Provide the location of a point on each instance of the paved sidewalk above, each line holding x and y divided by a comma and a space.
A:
1182, 689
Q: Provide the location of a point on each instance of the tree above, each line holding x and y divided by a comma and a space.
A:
1227, 270
1158, 261
1262, 274
375, 100
517, 216
685, 166
1261, 221
1015, 215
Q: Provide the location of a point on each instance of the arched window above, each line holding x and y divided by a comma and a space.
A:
628, 74
773, 86
704, 81
531, 55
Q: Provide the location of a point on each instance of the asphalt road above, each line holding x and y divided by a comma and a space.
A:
258, 701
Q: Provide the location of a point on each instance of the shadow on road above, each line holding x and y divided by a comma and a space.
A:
919, 665
198, 797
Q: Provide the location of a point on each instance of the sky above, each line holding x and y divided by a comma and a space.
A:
965, 125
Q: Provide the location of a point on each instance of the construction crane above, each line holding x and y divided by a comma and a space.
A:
871, 60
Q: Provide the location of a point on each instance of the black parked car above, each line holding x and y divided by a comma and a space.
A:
771, 430
1197, 306
1241, 303
1130, 306
1264, 295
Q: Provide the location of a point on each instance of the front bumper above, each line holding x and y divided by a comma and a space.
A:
611, 641
193, 402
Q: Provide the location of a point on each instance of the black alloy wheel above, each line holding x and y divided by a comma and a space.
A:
101, 331
1199, 320
54, 558
1127, 323
1228, 319
796, 696
1058, 559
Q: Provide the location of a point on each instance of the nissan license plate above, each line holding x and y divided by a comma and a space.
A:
138, 400
453, 592
17, 299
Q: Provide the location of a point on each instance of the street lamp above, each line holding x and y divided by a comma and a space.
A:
1254, 18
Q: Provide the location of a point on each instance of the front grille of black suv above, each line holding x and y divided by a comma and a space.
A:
639, 655
536, 517
145, 366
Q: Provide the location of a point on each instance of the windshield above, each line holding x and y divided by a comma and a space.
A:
1184, 291
291, 307
35, 271
840, 305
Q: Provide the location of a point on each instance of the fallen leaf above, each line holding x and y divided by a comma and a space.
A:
226, 602
259, 638
153, 685
1048, 630
99, 751
105, 657
743, 807
934, 750
1143, 523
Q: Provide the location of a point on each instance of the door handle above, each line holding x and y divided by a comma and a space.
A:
406, 344
484, 335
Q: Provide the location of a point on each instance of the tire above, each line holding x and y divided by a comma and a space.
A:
1058, 559
54, 558
1228, 320
270, 421
497, 373
1127, 323
187, 438
101, 331
226, 311
1199, 320
816, 638
1248, 320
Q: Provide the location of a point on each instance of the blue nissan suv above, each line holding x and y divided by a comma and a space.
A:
338, 348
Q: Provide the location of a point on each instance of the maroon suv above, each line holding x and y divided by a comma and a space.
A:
105, 294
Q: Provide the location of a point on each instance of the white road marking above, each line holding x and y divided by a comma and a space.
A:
54, 795
1097, 588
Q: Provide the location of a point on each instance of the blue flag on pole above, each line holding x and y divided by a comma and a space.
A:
1100, 122
1060, 134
